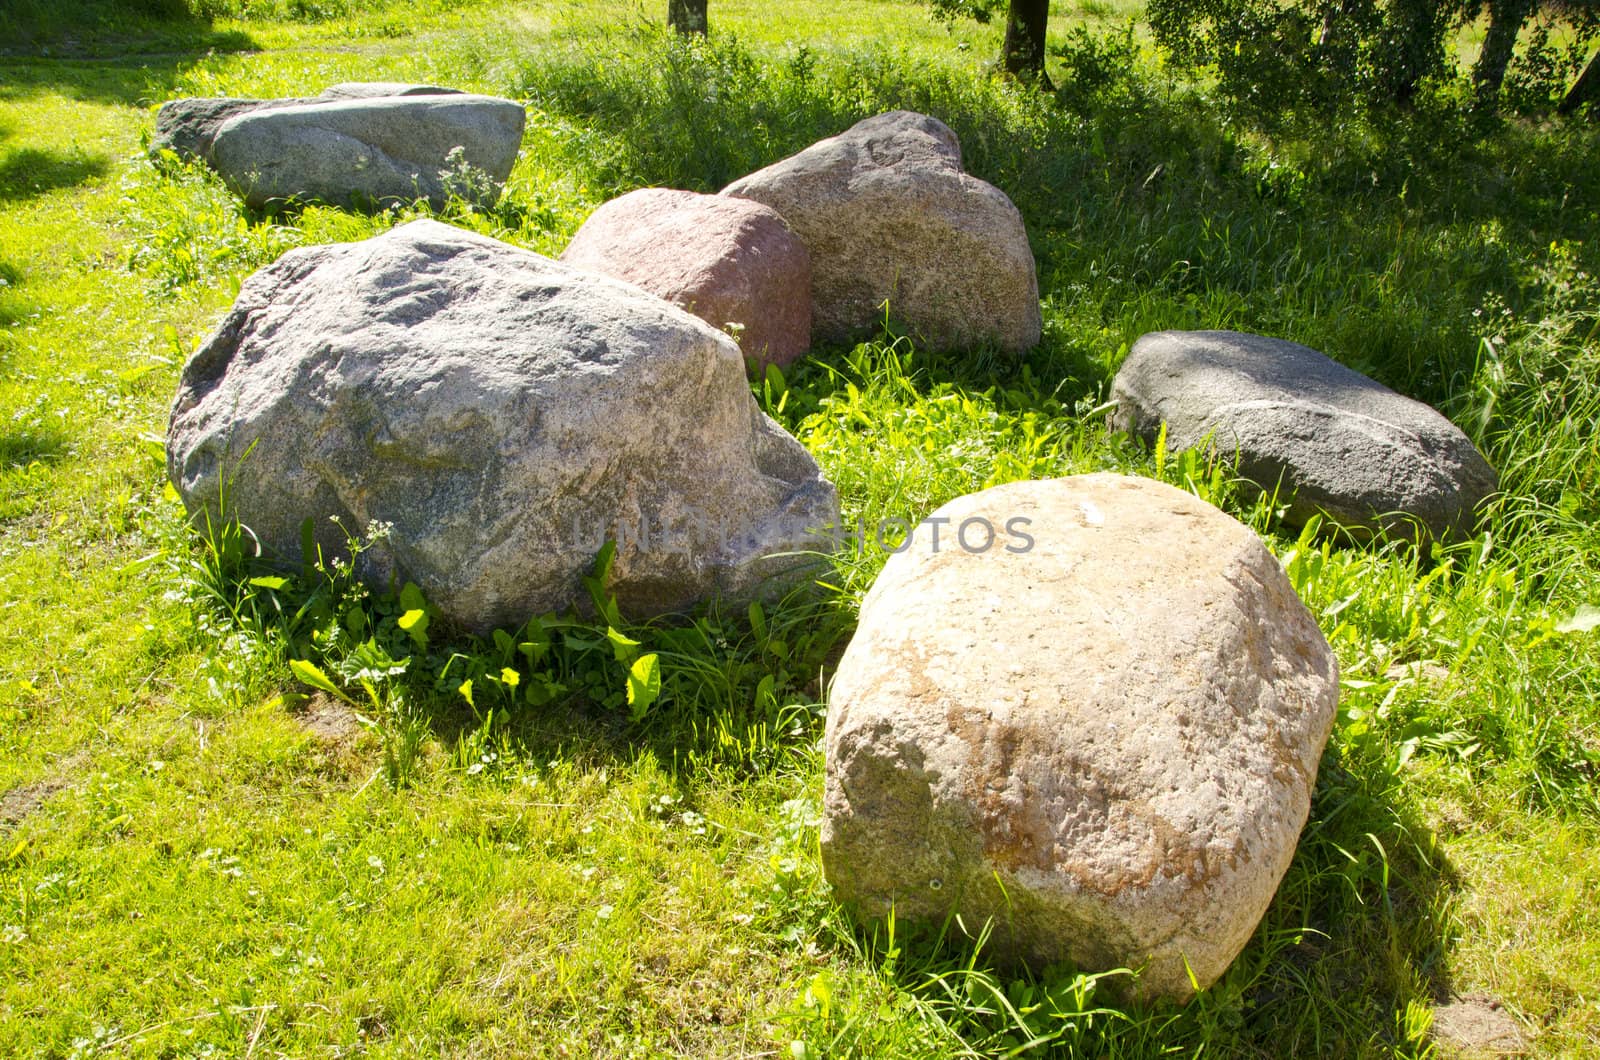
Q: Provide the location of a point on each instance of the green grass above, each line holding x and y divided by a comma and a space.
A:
196, 859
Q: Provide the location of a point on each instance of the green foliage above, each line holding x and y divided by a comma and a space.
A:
1289, 65
977, 10
1276, 61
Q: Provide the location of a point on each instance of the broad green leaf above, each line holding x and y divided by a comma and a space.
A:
310, 554
644, 685
411, 598
622, 645
310, 674
415, 623
598, 584
269, 582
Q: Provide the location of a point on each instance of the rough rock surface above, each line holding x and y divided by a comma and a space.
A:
727, 261
364, 152
188, 126
1327, 437
1105, 741
505, 414
384, 89
887, 213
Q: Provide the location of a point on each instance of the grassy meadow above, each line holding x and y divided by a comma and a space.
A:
206, 852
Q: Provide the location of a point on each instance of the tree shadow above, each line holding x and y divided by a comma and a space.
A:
14, 306
136, 79
20, 447
28, 172
100, 30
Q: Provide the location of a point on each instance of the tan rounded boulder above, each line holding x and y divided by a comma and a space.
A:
731, 262
1092, 715
888, 214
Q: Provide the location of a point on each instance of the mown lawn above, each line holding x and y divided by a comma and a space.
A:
197, 857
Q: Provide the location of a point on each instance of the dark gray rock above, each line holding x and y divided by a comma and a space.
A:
1328, 438
187, 127
888, 214
369, 152
503, 414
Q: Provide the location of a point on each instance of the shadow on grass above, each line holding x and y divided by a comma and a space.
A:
28, 172
64, 30
126, 80
21, 447
14, 305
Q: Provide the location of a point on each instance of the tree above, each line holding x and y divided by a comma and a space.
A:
1541, 69
1023, 51
1506, 18
687, 16
1586, 89
1022, 54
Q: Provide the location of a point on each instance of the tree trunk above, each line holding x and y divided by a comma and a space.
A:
1505, 22
1023, 53
1417, 34
1586, 89
687, 16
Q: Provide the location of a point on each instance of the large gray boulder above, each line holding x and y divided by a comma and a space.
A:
187, 127
888, 214
727, 261
1327, 438
1093, 714
368, 152
502, 415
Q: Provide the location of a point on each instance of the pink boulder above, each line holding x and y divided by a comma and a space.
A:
728, 261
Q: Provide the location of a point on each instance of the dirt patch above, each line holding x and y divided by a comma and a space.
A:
1420, 672
1477, 1026
22, 801
329, 720
18, 803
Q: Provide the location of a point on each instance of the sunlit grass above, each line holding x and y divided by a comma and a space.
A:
194, 855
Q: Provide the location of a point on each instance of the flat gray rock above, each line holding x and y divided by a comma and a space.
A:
187, 127
1093, 717
368, 152
888, 214
1328, 438
503, 415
